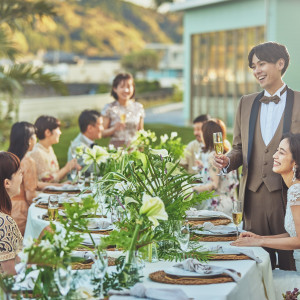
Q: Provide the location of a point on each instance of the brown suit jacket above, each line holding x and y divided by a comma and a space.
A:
244, 130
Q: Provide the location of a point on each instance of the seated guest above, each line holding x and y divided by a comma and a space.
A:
91, 127
48, 133
11, 239
224, 186
194, 148
22, 141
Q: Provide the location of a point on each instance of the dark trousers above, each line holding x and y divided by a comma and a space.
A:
264, 215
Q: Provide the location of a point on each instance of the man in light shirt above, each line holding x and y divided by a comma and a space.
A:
91, 127
261, 120
194, 148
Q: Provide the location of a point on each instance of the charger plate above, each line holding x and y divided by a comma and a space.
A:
88, 265
229, 257
162, 277
75, 191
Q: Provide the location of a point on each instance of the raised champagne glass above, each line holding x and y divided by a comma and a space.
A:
218, 145
123, 118
237, 215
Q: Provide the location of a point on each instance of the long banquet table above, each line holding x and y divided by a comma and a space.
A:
256, 281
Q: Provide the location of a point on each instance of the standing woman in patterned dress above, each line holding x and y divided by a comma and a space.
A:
10, 236
123, 117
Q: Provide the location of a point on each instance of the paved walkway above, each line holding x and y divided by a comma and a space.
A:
166, 114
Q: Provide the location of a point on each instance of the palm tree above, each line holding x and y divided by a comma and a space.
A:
13, 15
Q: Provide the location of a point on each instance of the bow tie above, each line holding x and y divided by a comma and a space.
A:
275, 99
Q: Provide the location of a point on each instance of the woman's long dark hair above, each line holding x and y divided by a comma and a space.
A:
294, 143
210, 127
20, 134
9, 165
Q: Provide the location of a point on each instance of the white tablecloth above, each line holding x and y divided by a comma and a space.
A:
256, 282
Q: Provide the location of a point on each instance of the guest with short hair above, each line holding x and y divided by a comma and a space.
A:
195, 146
91, 127
48, 133
11, 238
123, 117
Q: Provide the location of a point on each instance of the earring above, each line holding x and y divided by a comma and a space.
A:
294, 173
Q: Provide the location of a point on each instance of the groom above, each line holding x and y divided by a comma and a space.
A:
261, 120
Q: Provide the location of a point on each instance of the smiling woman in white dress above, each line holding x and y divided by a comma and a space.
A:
287, 164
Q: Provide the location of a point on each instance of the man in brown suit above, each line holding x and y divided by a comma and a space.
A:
261, 120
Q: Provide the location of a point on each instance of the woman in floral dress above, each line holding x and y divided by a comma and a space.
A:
223, 186
10, 236
123, 117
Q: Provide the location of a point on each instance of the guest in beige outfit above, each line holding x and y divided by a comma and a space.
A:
22, 141
48, 133
261, 120
123, 117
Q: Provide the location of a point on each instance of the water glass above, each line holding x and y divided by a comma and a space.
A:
182, 233
63, 279
53, 207
73, 174
99, 268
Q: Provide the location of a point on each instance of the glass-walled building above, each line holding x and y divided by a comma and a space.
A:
219, 74
218, 35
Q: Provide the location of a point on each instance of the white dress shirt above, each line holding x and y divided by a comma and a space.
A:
270, 115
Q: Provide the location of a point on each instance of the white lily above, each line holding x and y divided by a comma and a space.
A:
174, 134
161, 152
154, 209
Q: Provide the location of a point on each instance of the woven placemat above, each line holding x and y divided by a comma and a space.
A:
212, 238
229, 257
162, 277
61, 192
86, 266
221, 221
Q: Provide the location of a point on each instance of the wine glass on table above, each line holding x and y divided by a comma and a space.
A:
182, 234
218, 145
99, 268
197, 154
237, 215
63, 279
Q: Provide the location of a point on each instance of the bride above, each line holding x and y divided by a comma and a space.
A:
287, 164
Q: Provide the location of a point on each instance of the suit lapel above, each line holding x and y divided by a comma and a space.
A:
288, 111
252, 122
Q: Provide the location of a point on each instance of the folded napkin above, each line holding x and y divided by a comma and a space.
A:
65, 187
28, 283
83, 254
234, 250
140, 291
205, 214
87, 240
193, 265
96, 223
209, 228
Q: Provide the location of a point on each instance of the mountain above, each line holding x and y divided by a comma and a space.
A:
101, 28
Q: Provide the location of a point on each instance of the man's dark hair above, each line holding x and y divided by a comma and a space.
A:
270, 52
43, 123
201, 119
86, 118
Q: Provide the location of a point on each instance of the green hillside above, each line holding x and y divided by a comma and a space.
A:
101, 28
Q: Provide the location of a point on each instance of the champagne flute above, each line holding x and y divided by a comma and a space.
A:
63, 279
53, 207
123, 118
218, 145
237, 214
197, 155
99, 268
182, 233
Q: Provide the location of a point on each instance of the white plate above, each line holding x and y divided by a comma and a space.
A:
196, 218
173, 271
109, 228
